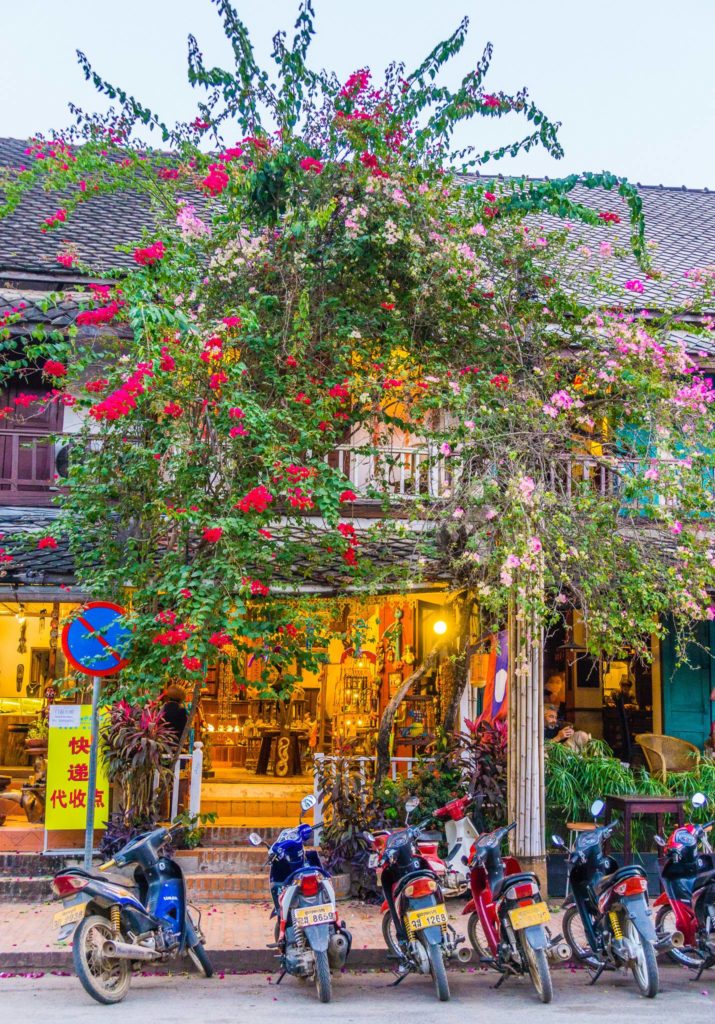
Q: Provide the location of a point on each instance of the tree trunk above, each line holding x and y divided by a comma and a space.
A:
388, 718
526, 796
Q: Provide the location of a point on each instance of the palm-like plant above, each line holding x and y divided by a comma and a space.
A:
139, 749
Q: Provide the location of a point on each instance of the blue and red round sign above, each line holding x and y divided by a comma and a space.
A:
95, 640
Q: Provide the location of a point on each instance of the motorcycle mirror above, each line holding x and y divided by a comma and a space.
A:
659, 841
307, 802
597, 808
254, 839
699, 800
369, 836
557, 840
412, 804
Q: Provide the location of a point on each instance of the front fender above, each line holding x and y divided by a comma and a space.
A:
662, 901
536, 936
432, 935
641, 915
318, 937
470, 907
191, 936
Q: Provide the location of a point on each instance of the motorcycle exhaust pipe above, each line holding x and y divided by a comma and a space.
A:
677, 939
127, 951
559, 951
337, 950
464, 954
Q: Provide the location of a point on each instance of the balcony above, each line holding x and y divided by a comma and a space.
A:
402, 472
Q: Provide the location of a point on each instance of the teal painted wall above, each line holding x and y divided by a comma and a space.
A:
686, 689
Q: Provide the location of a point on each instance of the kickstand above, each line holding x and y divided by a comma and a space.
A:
398, 981
281, 976
599, 971
502, 979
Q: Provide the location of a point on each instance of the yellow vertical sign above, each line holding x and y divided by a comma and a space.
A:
69, 742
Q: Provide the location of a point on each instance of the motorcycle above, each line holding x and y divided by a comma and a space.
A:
415, 923
309, 936
460, 834
608, 923
685, 915
131, 918
507, 915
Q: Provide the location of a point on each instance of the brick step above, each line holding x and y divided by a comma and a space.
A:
234, 886
252, 808
24, 888
35, 864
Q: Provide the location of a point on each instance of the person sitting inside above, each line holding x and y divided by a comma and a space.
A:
174, 711
563, 732
555, 692
553, 729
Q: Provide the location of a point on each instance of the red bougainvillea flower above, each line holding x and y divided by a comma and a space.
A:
191, 664
348, 496
66, 259
167, 617
185, 593
257, 500
173, 409
212, 534
46, 542
220, 639
217, 379
309, 163
213, 350
491, 101
501, 380
96, 386
4, 556
291, 361
150, 255
53, 368
173, 637
238, 432
236, 414
168, 173
25, 400
609, 218
389, 306
167, 363
95, 317
266, 533
368, 160
303, 398
59, 217
216, 180
257, 588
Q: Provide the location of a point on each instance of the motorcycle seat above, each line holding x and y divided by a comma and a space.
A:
507, 881
628, 871
706, 878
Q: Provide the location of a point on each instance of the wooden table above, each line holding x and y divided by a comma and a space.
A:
633, 804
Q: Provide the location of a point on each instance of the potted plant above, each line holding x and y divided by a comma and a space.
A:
36, 738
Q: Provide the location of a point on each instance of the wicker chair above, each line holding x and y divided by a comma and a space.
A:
667, 753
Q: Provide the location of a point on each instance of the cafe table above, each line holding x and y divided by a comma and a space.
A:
631, 804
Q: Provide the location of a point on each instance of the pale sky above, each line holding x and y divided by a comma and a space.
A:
630, 80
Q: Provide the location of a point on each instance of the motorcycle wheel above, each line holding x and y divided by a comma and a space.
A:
438, 970
389, 934
322, 977
575, 935
105, 979
539, 971
665, 925
200, 959
645, 965
476, 936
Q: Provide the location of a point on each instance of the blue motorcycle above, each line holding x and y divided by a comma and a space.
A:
128, 919
309, 936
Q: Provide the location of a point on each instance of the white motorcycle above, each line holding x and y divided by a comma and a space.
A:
460, 835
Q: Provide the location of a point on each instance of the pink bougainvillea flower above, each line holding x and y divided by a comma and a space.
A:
66, 259
710, 612
167, 362
348, 496
309, 163
53, 368
635, 285
609, 218
445, 449
168, 173
46, 542
59, 217
232, 321
238, 432
96, 317
236, 414
212, 534
217, 379
220, 639
676, 528
491, 101
150, 255
257, 500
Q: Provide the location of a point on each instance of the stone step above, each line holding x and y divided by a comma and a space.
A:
248, 860
237, 886
252, 808
25, 889
35, 864
235, 831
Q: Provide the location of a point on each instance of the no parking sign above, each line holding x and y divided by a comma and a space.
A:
94, 641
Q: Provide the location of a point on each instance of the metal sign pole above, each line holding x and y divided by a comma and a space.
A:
92, 779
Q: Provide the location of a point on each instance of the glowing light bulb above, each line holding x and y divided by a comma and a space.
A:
440, 627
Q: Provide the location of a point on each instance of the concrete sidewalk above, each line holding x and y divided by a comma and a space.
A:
237, 934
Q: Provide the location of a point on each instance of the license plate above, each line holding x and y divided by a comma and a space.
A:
69, 915
306, 916
427, 916
373, 860
525, 917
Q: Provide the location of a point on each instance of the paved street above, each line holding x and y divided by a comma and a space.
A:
357, 998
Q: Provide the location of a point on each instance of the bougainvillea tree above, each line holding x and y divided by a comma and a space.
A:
320, 267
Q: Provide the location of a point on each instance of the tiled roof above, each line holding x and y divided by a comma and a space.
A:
680, 221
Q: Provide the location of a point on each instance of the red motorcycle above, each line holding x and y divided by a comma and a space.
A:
685, 916
507, 916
